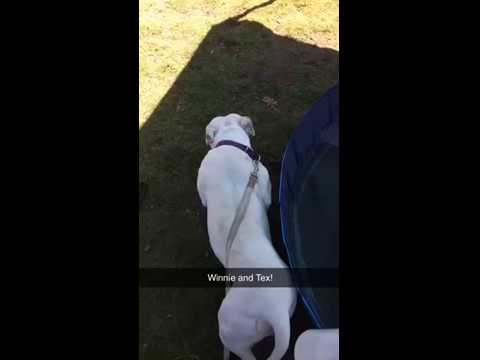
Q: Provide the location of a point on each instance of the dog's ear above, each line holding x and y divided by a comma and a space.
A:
210, 132
246, 123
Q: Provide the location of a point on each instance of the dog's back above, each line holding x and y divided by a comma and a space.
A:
222, 178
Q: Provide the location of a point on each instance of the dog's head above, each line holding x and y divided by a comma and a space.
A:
220, 123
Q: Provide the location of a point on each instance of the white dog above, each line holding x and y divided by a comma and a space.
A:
317, 345
246, 315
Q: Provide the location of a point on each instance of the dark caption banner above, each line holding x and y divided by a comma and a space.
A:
252, 277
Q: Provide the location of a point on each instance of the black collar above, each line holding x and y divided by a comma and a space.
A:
253, 155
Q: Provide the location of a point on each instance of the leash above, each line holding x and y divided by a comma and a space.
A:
240, 214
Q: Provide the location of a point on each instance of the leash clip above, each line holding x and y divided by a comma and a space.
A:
254, 174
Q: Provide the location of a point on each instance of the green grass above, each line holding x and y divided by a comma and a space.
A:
271, 65
170, 32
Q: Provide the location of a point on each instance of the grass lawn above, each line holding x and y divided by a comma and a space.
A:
199, 59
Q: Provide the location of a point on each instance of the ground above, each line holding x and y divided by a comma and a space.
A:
200, 59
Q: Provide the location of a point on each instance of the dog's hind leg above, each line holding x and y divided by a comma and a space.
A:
236, 332
246, 355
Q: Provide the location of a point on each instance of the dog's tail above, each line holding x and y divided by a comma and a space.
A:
280, 321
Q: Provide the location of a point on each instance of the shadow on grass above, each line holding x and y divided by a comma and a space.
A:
242, 67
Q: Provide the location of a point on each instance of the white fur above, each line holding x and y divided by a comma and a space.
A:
246, 315
317, 345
